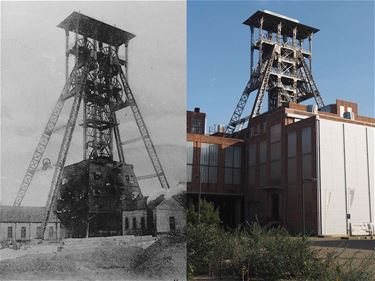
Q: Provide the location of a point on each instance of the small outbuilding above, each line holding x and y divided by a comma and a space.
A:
167, 214
25, 223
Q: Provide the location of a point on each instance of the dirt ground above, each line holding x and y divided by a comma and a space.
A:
163, 260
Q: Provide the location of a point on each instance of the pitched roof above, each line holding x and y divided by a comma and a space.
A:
180, 198
24, 214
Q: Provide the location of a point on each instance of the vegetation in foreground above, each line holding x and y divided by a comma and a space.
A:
263, 254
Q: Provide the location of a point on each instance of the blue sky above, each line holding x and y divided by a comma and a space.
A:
218, 52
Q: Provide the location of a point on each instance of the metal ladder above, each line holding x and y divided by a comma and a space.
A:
144, 132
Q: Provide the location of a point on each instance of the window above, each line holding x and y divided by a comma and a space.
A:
197, 126
275, 154
10, 232
262, 163
262, 152
306, 153
23, 232
172, 223
126, 223
209, 163
189, 161
275, 133
50, 232
252, 154
134, 223
292, 160
39, 232
306, 140
232, 166
143, 225
292, 144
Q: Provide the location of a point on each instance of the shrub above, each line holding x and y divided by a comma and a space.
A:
265, 254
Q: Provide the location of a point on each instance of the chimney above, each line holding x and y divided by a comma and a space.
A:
197, 109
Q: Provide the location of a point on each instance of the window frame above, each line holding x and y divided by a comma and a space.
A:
10, 232
232, 170
23, 232
210, 177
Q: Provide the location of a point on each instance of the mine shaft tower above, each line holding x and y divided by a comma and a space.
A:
98, 82
281, 69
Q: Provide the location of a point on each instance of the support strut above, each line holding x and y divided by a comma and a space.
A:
144, 132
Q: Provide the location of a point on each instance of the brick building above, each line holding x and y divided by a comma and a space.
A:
214, 171
308, 170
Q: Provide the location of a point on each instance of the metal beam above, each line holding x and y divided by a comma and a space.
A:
64, 148
144, 132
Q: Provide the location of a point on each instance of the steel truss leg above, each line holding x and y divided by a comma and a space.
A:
144, 132
116, 132
43, 142
252, 85
312, 84
260, 95
64, 147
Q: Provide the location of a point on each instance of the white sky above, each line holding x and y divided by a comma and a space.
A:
33, 73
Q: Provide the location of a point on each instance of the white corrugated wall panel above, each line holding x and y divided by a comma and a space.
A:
332, 178
371, 170
357, 173
347, 166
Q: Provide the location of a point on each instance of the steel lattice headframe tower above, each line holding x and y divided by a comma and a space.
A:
281, 70
98, 82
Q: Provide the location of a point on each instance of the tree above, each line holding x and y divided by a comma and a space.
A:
208, 214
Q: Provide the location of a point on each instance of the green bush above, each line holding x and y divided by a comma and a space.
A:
264, 254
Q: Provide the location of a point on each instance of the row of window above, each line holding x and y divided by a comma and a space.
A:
275, 156
134, 223
38, 232
209, 154
172, 223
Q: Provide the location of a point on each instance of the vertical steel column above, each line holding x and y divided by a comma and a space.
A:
279, 70
260, 43
278, 38
251, 49
310, 51
66, 54
294, 38
126, 65
294, 43
84, 127
76, 43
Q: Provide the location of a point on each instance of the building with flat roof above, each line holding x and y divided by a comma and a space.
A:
306, 169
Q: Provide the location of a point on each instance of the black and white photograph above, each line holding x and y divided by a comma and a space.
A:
93, 129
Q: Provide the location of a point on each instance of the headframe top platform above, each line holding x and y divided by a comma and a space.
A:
271, 20
97, 30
